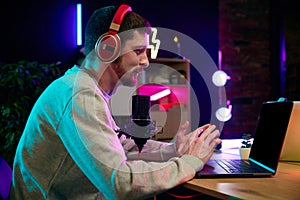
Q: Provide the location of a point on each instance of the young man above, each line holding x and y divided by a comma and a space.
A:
69, 148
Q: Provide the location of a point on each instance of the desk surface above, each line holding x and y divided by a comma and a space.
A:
284, 185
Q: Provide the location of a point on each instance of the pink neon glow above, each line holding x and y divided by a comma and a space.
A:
229, 105
155, 91
220, 60
160, 95
228, 102
151, 89
177, 94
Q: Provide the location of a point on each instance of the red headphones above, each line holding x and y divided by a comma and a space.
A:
108, 45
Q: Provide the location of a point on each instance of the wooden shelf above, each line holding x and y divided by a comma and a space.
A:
172, 111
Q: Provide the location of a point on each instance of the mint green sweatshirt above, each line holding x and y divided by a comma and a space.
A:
69, 150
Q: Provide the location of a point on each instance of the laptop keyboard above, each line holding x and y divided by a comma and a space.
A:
239, 166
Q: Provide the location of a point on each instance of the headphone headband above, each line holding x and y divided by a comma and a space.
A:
108, 45
118, 18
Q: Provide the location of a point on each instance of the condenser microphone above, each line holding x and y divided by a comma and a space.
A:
140, 116
140, 110
140, 128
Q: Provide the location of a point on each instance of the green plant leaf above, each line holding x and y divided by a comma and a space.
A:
21, 83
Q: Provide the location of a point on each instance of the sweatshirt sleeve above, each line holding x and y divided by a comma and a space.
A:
152, 151
87, 131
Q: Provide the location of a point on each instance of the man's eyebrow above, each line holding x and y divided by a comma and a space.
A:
139, 47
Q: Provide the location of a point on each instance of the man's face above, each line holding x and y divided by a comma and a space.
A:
133, 59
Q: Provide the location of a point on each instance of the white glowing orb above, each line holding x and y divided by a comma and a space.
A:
223, 114
220, 78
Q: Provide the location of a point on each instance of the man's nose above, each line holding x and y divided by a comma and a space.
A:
144, 62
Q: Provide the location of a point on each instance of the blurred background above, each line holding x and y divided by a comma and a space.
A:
258, 40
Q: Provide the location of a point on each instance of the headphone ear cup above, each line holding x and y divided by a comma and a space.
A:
108, 47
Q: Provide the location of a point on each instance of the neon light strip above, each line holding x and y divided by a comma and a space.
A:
160, 94
155, 43
79, 25
264, 166
220, 60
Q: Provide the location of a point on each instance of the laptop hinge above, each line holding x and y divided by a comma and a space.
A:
262, 165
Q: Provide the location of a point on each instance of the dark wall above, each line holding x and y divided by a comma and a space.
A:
198, 22
260, 45
37, 30
292, 45
46, 30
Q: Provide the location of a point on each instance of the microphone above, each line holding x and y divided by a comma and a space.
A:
140, 110
140, 127
140, 116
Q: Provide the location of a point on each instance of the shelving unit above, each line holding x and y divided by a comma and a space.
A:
170, 111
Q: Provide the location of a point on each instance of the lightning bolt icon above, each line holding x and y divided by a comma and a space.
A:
155, 43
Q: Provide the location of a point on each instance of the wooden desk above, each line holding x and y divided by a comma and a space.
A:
284, 185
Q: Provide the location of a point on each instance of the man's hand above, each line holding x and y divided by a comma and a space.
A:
200, 143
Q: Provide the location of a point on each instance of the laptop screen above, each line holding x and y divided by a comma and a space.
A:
270, 132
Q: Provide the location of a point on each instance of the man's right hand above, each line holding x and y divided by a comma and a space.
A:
205, 140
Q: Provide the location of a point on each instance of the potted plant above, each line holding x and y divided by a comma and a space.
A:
20, 85
246, 146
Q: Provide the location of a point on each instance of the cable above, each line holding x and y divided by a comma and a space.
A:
183, 196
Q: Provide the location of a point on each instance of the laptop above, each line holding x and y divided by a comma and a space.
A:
291, 147
266, 148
